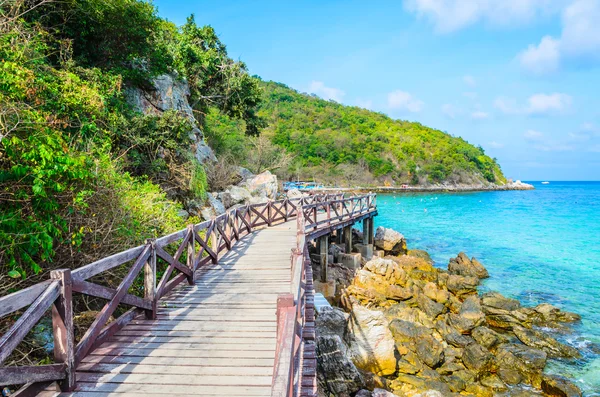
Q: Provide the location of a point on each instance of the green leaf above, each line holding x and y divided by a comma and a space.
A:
14, 274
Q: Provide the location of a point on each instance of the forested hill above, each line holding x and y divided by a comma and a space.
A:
350, 145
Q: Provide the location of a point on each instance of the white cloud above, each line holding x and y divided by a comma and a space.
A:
403, 100
451, 15
479, 115
543, 58
495, 145
579, 137
506, 105
579, 40
469, 80
319, 88
450, 110
548, 103
533, 136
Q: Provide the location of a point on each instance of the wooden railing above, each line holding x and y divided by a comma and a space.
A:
313, 219
197, 245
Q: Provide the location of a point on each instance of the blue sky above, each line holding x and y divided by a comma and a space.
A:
521, 78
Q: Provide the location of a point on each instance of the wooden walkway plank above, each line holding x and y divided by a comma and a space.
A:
216, 337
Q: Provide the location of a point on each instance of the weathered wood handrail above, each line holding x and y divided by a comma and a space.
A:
199, 244
337, 211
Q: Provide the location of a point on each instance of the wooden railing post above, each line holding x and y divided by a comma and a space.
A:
150, 280
270, 213
62, 327
191, 253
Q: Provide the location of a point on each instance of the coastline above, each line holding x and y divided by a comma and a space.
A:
400, 326
432, 188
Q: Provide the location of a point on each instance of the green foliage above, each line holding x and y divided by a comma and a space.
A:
336, 144
215, 79
326, 134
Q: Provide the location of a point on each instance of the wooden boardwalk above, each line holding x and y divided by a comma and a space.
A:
227, 309
215, 338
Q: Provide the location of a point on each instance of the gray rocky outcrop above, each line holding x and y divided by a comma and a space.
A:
171, 93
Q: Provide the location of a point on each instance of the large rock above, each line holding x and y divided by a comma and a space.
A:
463, 266
215, 207
372, 344
430, 351
234, 195
499, 301
519, 363
332, 321
171, 93
388, 269
337, 373
469, 316
294, 194
487, 337
557, 386
477, 358
460, 285
390, 241
545, 342
262, 185
551, 313
366, 280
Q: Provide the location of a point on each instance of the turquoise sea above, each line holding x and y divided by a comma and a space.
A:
539, 246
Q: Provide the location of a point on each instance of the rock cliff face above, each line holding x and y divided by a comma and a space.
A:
415, 330
171, 93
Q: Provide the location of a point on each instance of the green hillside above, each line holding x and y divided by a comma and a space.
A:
345, 145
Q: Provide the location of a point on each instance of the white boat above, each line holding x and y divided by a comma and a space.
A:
545, 183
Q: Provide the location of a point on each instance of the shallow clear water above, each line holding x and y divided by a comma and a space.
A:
539, 246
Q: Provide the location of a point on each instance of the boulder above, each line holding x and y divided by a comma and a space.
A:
477, 358
469, 316
545, 342
244, 173
332, 321
487, 338
372, 344
337, 373
390, 241
499, 301
551, 313
262, 185
432, 291
460, 285
388, 269
463, 266
406, 332
430, 351
216, 204
429, 306
294, 194
517, 363
557, 386
420, 254
234, 195
369, 281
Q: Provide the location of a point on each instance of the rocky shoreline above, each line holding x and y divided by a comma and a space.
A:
401, 327
447, 187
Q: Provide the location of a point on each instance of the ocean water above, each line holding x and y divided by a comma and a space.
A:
538, 246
